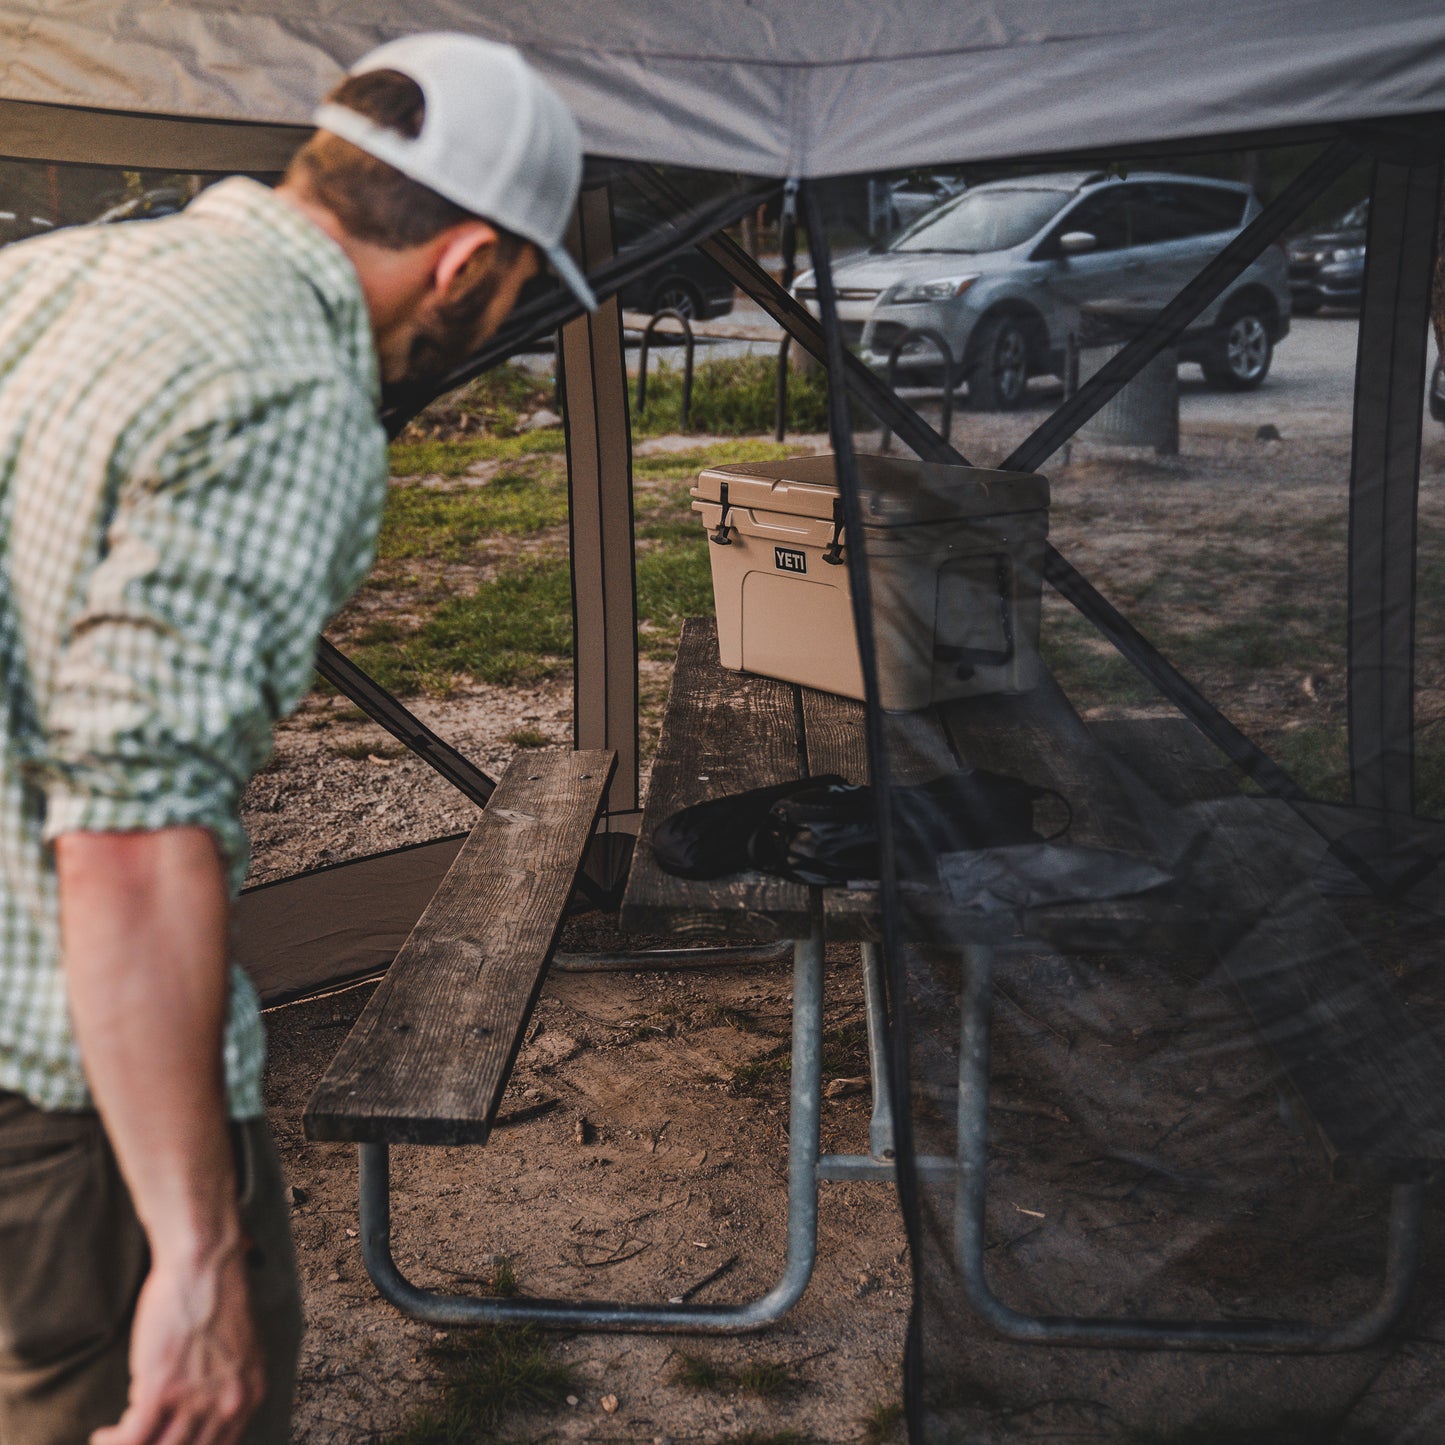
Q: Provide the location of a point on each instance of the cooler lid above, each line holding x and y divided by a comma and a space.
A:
897, 491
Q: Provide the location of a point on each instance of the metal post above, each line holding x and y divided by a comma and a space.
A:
1384, 481
599, 481
880, 1126
802, 1247
690, 347
1071, 382
1285, 1336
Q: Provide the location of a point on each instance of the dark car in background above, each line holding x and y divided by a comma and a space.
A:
149, 206
1327, 267
687, 282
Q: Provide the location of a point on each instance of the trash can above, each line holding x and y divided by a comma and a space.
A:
955, 557
1144, 413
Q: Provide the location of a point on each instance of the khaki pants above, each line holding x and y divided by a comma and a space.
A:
72, 1260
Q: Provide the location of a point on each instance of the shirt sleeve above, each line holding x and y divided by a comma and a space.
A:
234, 537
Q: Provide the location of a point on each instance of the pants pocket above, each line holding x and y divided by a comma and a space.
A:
72, 1255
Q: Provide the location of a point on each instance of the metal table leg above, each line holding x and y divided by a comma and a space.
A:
1401, 1257
880, 1126
447, 1309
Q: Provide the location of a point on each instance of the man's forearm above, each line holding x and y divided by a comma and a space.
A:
144, 937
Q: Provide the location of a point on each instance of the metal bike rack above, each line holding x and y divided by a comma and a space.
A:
690, 347
780, 410
950, 380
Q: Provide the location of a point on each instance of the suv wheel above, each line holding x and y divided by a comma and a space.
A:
999, 376
676, 295
1239, 357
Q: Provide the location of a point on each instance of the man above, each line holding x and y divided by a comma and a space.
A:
191, 478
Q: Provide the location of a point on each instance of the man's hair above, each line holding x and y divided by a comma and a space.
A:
372, 200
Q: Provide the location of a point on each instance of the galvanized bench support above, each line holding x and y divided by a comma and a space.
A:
803, 1135
1288, 1336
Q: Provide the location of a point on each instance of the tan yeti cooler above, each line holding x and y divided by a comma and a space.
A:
955, 559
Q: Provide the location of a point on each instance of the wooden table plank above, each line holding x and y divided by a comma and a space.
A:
724, 732
428, 1059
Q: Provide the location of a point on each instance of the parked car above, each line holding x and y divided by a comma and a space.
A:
1002, 270
912, 198
1327, 268
687, 282
1437, 391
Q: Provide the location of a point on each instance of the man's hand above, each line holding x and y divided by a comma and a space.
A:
196, 1373
144, 921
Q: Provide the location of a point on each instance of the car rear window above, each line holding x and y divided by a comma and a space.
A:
983, 221
1169, 211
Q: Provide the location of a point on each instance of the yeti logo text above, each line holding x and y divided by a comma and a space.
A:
786, 559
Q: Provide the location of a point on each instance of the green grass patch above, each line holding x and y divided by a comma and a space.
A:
528, 737
449, 526
731, 396
451, 456
761, 1078
515, 627
766, 1378
697, 1372
489, 1375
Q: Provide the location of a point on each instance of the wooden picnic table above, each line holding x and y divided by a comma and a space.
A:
1372, 1082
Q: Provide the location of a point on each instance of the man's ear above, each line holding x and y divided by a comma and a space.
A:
459, 244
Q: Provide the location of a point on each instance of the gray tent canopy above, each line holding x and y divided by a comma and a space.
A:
779, 88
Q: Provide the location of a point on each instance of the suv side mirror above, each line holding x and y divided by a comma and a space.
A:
1078, 243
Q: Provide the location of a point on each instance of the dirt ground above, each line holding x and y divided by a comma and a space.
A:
678, 1175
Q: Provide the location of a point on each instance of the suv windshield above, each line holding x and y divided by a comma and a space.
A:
983, 221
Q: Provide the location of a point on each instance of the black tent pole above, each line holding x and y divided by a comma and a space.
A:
841, 435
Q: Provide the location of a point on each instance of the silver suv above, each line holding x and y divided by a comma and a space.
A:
1002, 270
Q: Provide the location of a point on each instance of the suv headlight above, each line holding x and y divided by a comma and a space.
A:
1348, 253
945, 288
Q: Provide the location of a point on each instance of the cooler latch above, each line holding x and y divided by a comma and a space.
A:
719, 534
833, 552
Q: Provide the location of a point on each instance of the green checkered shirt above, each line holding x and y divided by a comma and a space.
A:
191, 479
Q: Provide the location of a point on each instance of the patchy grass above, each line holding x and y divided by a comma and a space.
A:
883, 1423
489, 1375
528, 737
766, 1378
845, 1050
697, 1372
451, 525
492, 402
437, 457
769, 1379
504, 1278
762, 1078
731, 396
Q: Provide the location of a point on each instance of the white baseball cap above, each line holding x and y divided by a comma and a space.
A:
496, 140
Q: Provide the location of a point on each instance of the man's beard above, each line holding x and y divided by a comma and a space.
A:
449, 332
